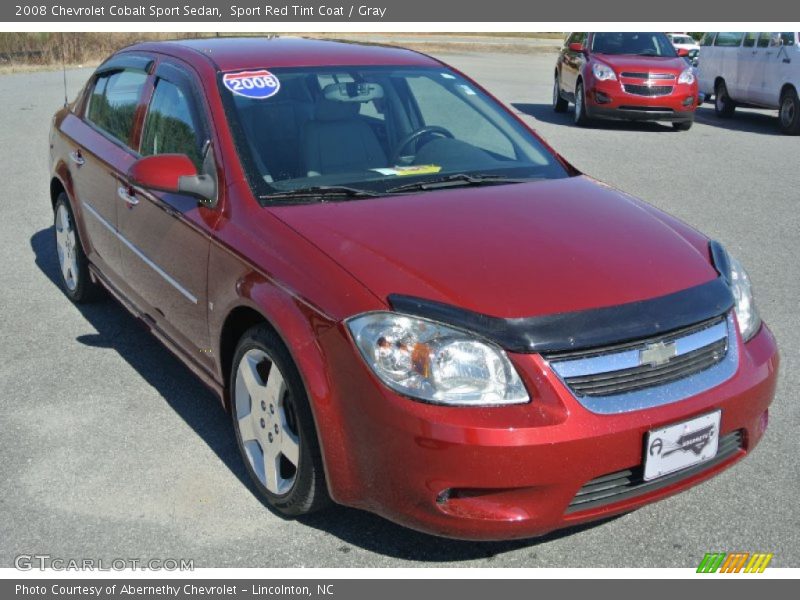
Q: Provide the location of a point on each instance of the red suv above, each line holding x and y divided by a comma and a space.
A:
633, 76
406, 300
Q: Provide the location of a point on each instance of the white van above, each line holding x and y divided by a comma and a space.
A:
753, 69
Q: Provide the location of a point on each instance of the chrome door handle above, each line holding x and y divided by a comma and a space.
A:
129, 199
76, 157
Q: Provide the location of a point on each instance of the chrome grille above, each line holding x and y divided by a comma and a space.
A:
648, 90
633, 75
636, 378
652, 371
630, 483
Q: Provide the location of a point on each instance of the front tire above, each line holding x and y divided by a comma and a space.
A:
724, 106
76, 281
789, 115
559, 104
274, 426
682, 125
581, 118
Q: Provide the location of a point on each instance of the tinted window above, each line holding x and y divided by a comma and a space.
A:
170, 126
641, 44
750, 39
440, 107
376, 128
727, 38
708, 38
113, 102
763, 39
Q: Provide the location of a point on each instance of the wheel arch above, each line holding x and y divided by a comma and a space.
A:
788, 86
291, 320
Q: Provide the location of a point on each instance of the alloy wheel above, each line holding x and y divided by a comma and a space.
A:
266, 422
66, 246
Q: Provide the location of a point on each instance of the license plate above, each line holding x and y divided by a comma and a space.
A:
681, 445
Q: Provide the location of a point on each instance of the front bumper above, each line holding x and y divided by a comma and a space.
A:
609, 100
514, 472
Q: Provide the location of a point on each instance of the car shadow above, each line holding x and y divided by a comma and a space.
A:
546, 114
744, 119
118, 330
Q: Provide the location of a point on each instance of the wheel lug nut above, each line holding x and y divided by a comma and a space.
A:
263, 423
269, 436
263, 405
276, 429
272, 408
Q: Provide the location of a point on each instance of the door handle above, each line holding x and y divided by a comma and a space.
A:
124, 194
75, 156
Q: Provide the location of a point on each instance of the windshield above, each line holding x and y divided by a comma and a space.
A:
643, 44
682, 39
374, 130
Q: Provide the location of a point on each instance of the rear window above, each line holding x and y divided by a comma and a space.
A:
729, 39
113, 102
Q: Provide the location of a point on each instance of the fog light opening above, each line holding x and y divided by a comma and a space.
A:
688, 101
601, 98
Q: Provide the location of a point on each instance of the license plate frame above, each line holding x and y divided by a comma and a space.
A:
681, 445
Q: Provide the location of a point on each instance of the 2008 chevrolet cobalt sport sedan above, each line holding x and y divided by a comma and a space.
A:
407, 301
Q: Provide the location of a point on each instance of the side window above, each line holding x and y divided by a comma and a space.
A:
708, 39
577, 37
729, 39
763, 40
171, 125
439, 106
112, 104
787, 39
750, 39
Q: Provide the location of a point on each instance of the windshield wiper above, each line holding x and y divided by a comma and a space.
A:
457, 180
322, 193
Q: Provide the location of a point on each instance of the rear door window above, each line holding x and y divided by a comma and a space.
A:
113, 102
750, 39
729, 39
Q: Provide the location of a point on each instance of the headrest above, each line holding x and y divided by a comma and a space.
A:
353, 92
330, 110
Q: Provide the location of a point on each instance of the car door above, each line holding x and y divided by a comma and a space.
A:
166, 236
100, 141
749, 69
572, 62
777, 67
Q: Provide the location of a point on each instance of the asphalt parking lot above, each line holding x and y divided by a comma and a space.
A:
112, 449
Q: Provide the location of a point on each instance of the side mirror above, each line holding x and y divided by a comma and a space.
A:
173, 173
577, 47
683, 52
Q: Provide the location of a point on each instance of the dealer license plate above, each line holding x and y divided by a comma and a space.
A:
682, 445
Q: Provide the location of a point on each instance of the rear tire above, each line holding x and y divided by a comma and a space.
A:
789, 115
76, 281
559, 104
274, 426
724, 106
581, 118
682, 125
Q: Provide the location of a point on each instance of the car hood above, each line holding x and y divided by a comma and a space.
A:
631, 62
509, 250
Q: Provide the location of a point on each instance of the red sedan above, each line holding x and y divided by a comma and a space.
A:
407, 301
631, 76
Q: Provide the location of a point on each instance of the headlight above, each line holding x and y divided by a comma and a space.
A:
603, 72
687, 76
746, 312
432, 362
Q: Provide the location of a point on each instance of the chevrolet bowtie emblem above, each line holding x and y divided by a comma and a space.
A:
657, 354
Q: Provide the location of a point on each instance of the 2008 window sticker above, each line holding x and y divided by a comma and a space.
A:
256, 85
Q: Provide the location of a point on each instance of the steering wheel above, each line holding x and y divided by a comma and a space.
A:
415, 135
